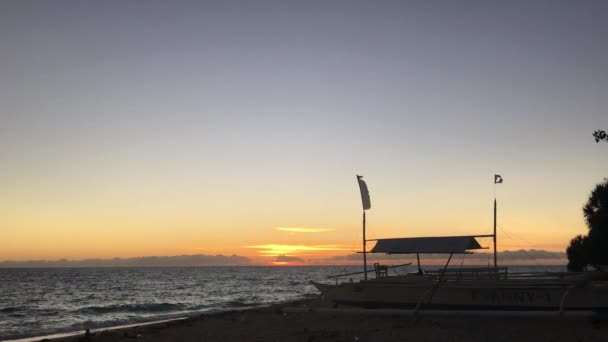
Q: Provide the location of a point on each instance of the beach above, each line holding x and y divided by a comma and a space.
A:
294, 321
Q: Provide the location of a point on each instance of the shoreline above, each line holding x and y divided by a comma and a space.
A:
62, 335
314, 320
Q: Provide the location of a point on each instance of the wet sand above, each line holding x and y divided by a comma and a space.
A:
275, 324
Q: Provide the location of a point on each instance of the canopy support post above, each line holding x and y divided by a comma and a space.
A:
418, 258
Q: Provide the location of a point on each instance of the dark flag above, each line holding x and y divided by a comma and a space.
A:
364, 193
497, 179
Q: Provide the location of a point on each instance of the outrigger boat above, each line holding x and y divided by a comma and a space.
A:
473, 288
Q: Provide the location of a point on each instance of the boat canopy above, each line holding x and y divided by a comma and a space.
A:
441, 244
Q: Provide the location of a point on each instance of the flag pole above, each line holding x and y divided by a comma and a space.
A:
366, 205
497, 180
364, 249
495, 252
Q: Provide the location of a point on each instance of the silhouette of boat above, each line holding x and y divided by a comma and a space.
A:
472, 288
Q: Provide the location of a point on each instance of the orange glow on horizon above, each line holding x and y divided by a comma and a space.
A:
279, 249
281, 263
304, 230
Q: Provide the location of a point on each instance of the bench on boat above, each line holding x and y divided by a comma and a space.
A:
381, 270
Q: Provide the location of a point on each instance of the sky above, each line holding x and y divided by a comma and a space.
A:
147, 128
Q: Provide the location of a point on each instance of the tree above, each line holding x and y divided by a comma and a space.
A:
578, 256
593, 248
600, 136
596, 216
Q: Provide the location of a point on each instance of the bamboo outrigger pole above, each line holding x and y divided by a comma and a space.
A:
368, 271
366, 205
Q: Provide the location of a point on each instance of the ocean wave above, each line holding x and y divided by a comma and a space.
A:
11, 309
17, 315
139, 308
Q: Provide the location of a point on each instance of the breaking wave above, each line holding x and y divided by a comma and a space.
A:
152, 307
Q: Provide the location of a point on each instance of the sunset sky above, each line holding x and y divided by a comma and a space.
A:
138, 128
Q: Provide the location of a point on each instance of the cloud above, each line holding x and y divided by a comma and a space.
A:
148, 261
303, 230
523, 254
518, 256
277, 249
287, 258
359, 256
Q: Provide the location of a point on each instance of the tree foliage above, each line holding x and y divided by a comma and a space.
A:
578, 256
593, 248
600, 135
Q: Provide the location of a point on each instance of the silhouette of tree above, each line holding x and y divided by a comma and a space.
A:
600, 136
593, 248
596, 216
578, 256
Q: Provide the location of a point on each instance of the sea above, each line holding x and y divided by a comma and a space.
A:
40, 302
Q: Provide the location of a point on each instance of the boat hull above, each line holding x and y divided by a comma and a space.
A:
463, 296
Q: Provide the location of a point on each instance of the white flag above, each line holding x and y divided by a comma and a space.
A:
364, 193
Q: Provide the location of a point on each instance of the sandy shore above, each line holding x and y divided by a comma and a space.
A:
274, 324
